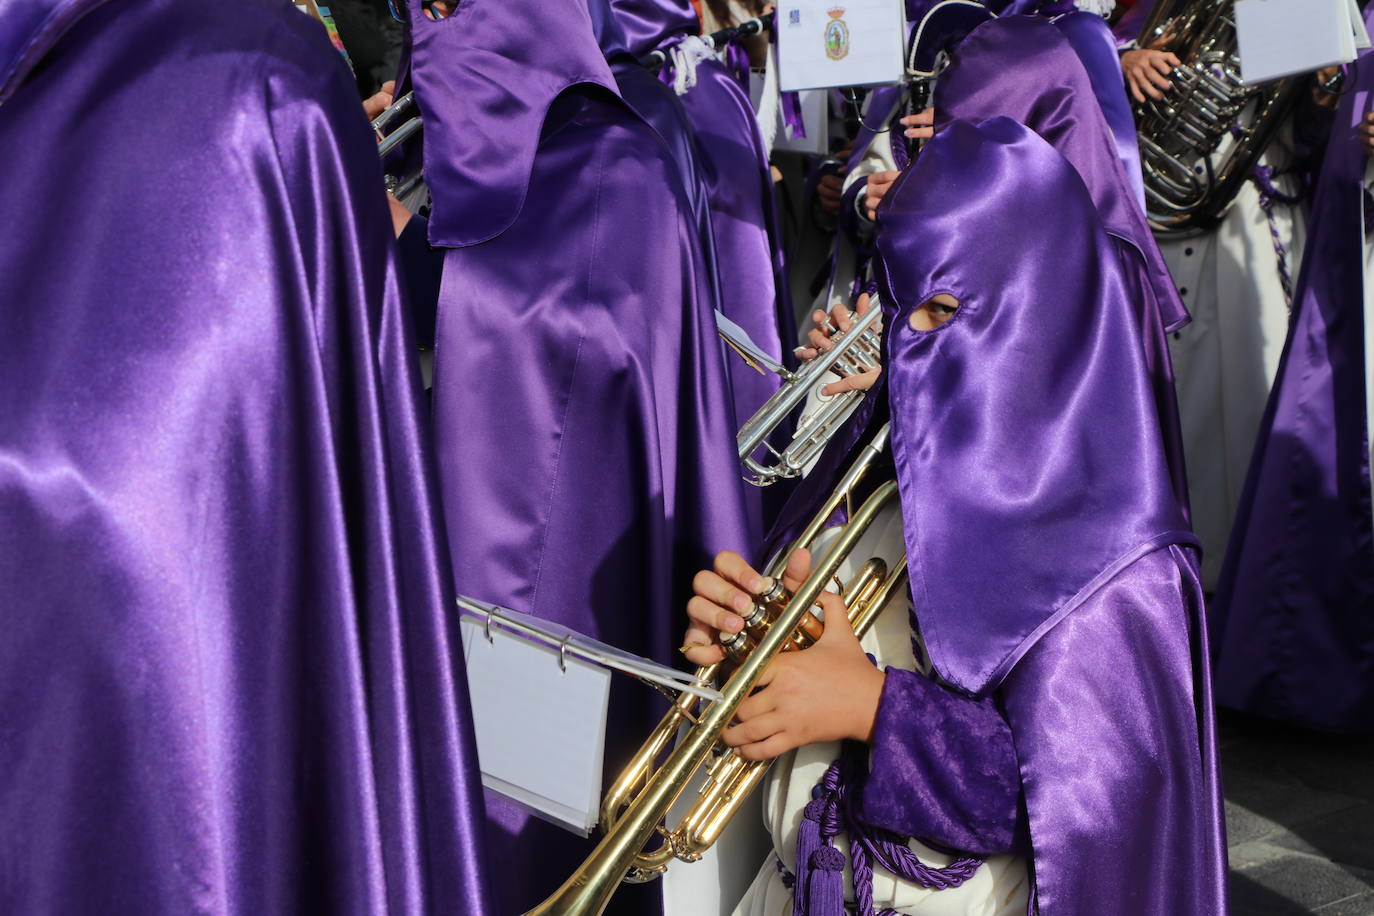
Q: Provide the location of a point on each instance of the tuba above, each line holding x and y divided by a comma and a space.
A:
635, 808
1199, 143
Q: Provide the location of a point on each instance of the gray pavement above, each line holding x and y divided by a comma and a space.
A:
1299, 819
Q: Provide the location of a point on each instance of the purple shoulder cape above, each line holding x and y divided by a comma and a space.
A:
582, 415
1024, 68
1045, 546
229, 647
1294, 619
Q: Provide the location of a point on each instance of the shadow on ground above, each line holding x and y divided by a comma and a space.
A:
1299, 818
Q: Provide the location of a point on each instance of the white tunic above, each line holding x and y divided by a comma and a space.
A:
1225, 360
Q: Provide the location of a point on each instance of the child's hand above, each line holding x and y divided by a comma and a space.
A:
878, 185
825, 327
825, 693
1147, 72
723, 595
921, 125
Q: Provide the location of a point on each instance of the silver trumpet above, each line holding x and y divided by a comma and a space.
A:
397, 123
852, 352
388, 136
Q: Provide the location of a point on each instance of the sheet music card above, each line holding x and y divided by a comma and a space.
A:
1280, 38
540, 719
827, 43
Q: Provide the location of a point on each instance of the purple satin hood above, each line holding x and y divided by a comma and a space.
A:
485, 78
1025, 432
1049, 91
648, 22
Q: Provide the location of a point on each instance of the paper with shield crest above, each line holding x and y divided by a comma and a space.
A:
828, 43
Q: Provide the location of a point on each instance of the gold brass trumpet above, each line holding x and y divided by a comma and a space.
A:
635, 808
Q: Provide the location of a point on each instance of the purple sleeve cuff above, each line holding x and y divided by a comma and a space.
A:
943, 769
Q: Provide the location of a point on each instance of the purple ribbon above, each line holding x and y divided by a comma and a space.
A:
792, 113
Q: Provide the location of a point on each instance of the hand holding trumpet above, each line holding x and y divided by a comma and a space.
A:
827, 692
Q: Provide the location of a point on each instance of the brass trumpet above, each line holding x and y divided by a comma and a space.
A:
638, 802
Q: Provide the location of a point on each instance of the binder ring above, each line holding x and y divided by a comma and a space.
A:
563, 654
488, 626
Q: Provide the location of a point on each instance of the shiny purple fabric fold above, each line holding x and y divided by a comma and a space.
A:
1132, 22
1095, 46
1024, 68
465, 69
1050, 563
1294, 620
648, 23
753, 284
583, 421
1026, 525
229, 656
1112, 718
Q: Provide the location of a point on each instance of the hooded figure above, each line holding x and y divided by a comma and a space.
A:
1050, 92
230, 676
739, 187
582, 418
1294, 617
1063, 718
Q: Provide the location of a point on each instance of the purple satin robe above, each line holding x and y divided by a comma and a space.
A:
230, 680
1048, 90
751, 280
1294, 618
753, 284
1053, 576
582, 417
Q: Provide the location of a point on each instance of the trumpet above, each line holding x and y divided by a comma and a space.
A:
854, 351
637, 804
389, 137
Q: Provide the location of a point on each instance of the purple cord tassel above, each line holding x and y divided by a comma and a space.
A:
819, 884
808, 842
1269, 194
825, 886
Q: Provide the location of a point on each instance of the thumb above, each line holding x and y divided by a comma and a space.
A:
837, 626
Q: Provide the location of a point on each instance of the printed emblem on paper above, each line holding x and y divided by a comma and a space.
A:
836, 35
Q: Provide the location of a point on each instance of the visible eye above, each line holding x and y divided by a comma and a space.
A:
439, 9
934, 312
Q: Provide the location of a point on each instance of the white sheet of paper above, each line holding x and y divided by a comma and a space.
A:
1282, 37
1362, 42
541, 730
839, 43
815, 121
